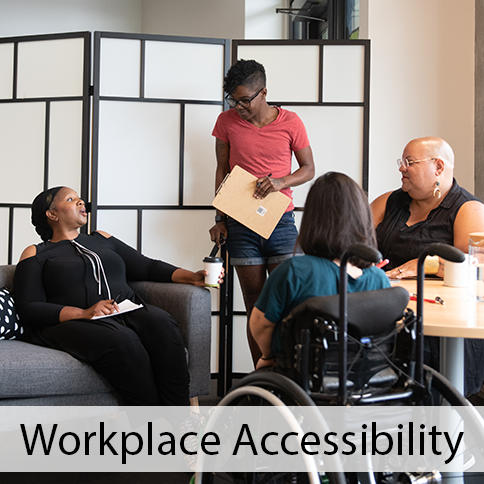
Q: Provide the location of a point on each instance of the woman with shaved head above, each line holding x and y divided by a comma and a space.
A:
429, 207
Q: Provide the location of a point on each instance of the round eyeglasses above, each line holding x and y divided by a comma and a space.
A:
245, 103
404, 163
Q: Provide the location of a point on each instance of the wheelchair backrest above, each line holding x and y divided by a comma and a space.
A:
369, 312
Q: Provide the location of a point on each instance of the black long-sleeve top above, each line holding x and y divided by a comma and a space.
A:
58, 276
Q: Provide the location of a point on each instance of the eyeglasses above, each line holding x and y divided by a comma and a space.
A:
406, 163
245, 103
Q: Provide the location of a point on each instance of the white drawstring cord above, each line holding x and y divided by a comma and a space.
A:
97, 266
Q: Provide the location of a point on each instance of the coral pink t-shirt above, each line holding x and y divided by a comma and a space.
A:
266, 150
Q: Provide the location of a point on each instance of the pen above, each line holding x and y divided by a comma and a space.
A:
382, 263
437, 300
260, 183
115, 300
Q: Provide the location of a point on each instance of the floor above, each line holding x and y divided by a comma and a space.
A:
169, 478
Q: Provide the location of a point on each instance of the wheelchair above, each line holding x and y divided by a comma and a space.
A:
358, 349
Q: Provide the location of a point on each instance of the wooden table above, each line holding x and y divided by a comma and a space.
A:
459, 318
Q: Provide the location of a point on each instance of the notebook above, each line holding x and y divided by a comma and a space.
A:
235, 197
124, 307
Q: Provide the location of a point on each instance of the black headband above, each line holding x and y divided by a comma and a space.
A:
40, 205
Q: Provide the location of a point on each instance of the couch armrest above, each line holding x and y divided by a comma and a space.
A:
6, 276
190, 306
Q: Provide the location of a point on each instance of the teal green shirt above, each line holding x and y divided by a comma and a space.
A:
300, 278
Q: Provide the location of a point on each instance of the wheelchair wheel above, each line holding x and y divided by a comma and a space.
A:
269, 388
443, 391
281, 386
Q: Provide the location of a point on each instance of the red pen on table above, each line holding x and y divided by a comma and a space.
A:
437, 300
382, 263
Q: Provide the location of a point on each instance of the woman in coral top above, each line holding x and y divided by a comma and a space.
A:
261, 139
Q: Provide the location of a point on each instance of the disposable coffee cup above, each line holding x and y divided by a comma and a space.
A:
456, 274
476, 266
213, 266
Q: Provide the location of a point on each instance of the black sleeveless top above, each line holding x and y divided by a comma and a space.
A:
400, 243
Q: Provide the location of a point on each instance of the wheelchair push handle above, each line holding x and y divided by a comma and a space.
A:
447, 252
362, 251
367, 253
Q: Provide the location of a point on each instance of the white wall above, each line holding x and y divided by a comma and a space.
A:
262, 21
30, 17
223, 19
422, 82
232, 19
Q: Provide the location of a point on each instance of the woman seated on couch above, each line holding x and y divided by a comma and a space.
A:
336, 215
67, 280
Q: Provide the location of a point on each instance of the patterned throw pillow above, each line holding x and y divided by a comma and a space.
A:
9, 322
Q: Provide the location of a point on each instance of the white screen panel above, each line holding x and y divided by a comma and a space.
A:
3, 236
215, 296
214, 347
200, 161
24, 233
178, 237
22, 127
138, 153
343, 73
50, 68
120, 67
6, 71
292, 70
65, 144
120, 223
298, 215
336, 137
241, 352
179, 70
238, 297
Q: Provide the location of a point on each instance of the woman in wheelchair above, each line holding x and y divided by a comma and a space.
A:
336, 216
328, 347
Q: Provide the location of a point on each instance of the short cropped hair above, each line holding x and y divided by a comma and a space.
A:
245, 73
336, 215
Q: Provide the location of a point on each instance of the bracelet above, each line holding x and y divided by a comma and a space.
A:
431, 265
268, 358
220, 218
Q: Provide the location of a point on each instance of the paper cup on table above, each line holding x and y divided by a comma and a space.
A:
213, 265
456, 274
476, 265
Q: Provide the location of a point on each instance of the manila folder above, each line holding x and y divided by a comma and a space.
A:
235, 198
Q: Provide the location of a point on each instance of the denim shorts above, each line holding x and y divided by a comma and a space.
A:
246, 248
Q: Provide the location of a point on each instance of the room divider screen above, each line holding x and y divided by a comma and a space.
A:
327, 83
156, 99
44, 127
148, 170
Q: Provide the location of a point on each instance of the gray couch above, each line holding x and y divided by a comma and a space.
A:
33, 375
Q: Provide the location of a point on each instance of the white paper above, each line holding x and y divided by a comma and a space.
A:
124, 307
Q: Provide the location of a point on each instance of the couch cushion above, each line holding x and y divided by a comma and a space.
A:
28, 370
